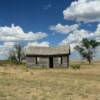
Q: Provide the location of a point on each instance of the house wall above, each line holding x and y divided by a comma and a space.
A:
64, 61
41, 61
44, 61
57, 61
30, 61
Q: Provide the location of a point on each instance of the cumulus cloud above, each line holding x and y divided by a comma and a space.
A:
83, 10
3, 51
5, 48
76, 36
65, 29
10, 35
39, 44
97, 33
9, 44
16, 33
3, 54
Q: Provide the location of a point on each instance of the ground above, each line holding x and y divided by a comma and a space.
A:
21, 83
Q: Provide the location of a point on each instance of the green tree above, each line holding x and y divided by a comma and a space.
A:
87, 49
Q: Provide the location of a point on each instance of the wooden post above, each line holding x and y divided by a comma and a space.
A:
67, 61
61, 60
36, 62
50, 62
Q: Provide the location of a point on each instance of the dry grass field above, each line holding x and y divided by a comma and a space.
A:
21, 83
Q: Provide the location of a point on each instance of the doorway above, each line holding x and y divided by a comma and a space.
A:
51, 62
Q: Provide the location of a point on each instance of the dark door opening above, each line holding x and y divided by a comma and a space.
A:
51, 62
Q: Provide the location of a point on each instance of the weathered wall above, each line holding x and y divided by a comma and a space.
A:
44, 61
31, 62
64, 61
57, 62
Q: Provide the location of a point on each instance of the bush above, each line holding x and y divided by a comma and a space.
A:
75, 66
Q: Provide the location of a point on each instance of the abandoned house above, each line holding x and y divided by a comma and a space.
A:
48, 56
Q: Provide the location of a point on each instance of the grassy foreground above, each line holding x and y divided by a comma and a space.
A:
18, 83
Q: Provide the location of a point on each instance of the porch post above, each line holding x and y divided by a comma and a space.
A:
36, 62
67, 61
61, 60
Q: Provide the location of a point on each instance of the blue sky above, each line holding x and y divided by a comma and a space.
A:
47, 22
31, 15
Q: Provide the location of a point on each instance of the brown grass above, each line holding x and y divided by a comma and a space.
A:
21, 83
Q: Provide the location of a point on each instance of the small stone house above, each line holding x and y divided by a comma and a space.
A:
48, 56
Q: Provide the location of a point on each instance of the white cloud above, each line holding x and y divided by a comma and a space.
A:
98, 30
76, 36
40, 44
83, 10
97, 55
5, 48
4, 54
9, 44
65, 29
13, 34
3, 51
16, 33
97, 33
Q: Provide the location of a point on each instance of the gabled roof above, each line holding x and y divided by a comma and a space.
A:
45, 51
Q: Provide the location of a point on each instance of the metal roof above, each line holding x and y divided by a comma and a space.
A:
45, 51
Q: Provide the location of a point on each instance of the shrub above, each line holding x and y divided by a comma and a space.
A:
75, 66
